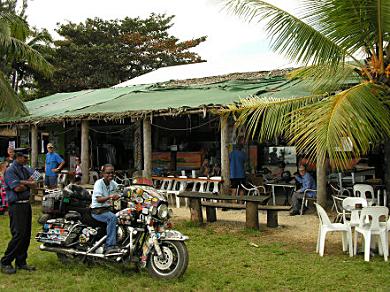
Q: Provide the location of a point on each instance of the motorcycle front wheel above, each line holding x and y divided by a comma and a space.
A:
174, 262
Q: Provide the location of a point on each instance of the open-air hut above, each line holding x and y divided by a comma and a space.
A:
144, 114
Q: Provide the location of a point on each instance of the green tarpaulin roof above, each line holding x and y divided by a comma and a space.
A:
138, 100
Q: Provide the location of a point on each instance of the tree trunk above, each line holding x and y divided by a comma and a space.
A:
387, 165
321, 182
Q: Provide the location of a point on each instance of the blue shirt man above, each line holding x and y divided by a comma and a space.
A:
18, 182
53, 165
15, 173
237, 167
307, 182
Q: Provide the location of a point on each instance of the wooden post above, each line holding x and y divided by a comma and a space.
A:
272, 218
84, 152
147, 148
34, 146
252, 215
196, 211
225, 167
138, 145
211, 214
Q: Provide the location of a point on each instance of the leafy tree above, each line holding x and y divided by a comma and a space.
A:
12, 28
344, 45
100, 53
13, 32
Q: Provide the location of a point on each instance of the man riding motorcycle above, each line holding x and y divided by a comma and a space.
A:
104, 191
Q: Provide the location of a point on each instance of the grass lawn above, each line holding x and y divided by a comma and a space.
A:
223, 256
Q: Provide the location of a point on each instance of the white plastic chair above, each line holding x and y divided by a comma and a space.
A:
306, 198
62, 178
369, 225
361, 190
337, 206
253, 190
214, 185
166, 186
327, 226
349, 204
179, 186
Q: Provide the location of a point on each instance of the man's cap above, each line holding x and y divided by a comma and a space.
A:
22, 152
50, 145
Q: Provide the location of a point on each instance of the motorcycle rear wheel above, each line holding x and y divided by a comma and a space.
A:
173, 265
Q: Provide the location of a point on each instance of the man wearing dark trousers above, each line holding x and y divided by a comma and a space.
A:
18, 182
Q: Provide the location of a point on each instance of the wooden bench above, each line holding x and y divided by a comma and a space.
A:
272, 211
251, 205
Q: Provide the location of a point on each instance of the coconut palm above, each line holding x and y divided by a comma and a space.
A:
13, 31
344, 47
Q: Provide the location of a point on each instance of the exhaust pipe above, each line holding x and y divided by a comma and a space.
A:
68, 251
74, 252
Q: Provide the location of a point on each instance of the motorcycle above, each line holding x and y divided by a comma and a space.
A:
144, 233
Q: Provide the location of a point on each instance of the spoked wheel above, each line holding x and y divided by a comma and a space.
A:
174, 262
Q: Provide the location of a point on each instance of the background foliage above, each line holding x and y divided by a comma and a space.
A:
101, 53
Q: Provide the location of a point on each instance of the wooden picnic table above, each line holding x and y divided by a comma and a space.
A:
251, 206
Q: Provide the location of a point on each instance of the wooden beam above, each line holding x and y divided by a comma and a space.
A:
147, 126
225, 166
84, 152
34, 146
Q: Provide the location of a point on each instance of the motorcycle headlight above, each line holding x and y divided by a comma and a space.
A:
162, 211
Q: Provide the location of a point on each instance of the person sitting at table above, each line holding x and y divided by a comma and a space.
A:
216, 171
205, 168
307, 182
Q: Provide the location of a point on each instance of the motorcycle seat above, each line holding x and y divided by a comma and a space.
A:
73, 215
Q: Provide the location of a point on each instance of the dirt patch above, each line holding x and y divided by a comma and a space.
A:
296, 231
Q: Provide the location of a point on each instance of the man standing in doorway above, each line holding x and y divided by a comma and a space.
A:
237, 167
53, 166
18, 182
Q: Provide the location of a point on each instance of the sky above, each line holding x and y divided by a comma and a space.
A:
231, 43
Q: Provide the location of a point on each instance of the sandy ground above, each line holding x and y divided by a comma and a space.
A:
296, 230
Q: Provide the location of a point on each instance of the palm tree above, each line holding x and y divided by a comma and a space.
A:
13, 30
344, 47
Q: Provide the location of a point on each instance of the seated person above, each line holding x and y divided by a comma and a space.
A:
103, 192
205, 168
216, 171
307, 182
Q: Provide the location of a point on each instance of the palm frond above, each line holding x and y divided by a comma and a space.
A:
290, 35
10, 104
266, 118
357, 115
325, 79
20, 51
350, 24
17, 26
